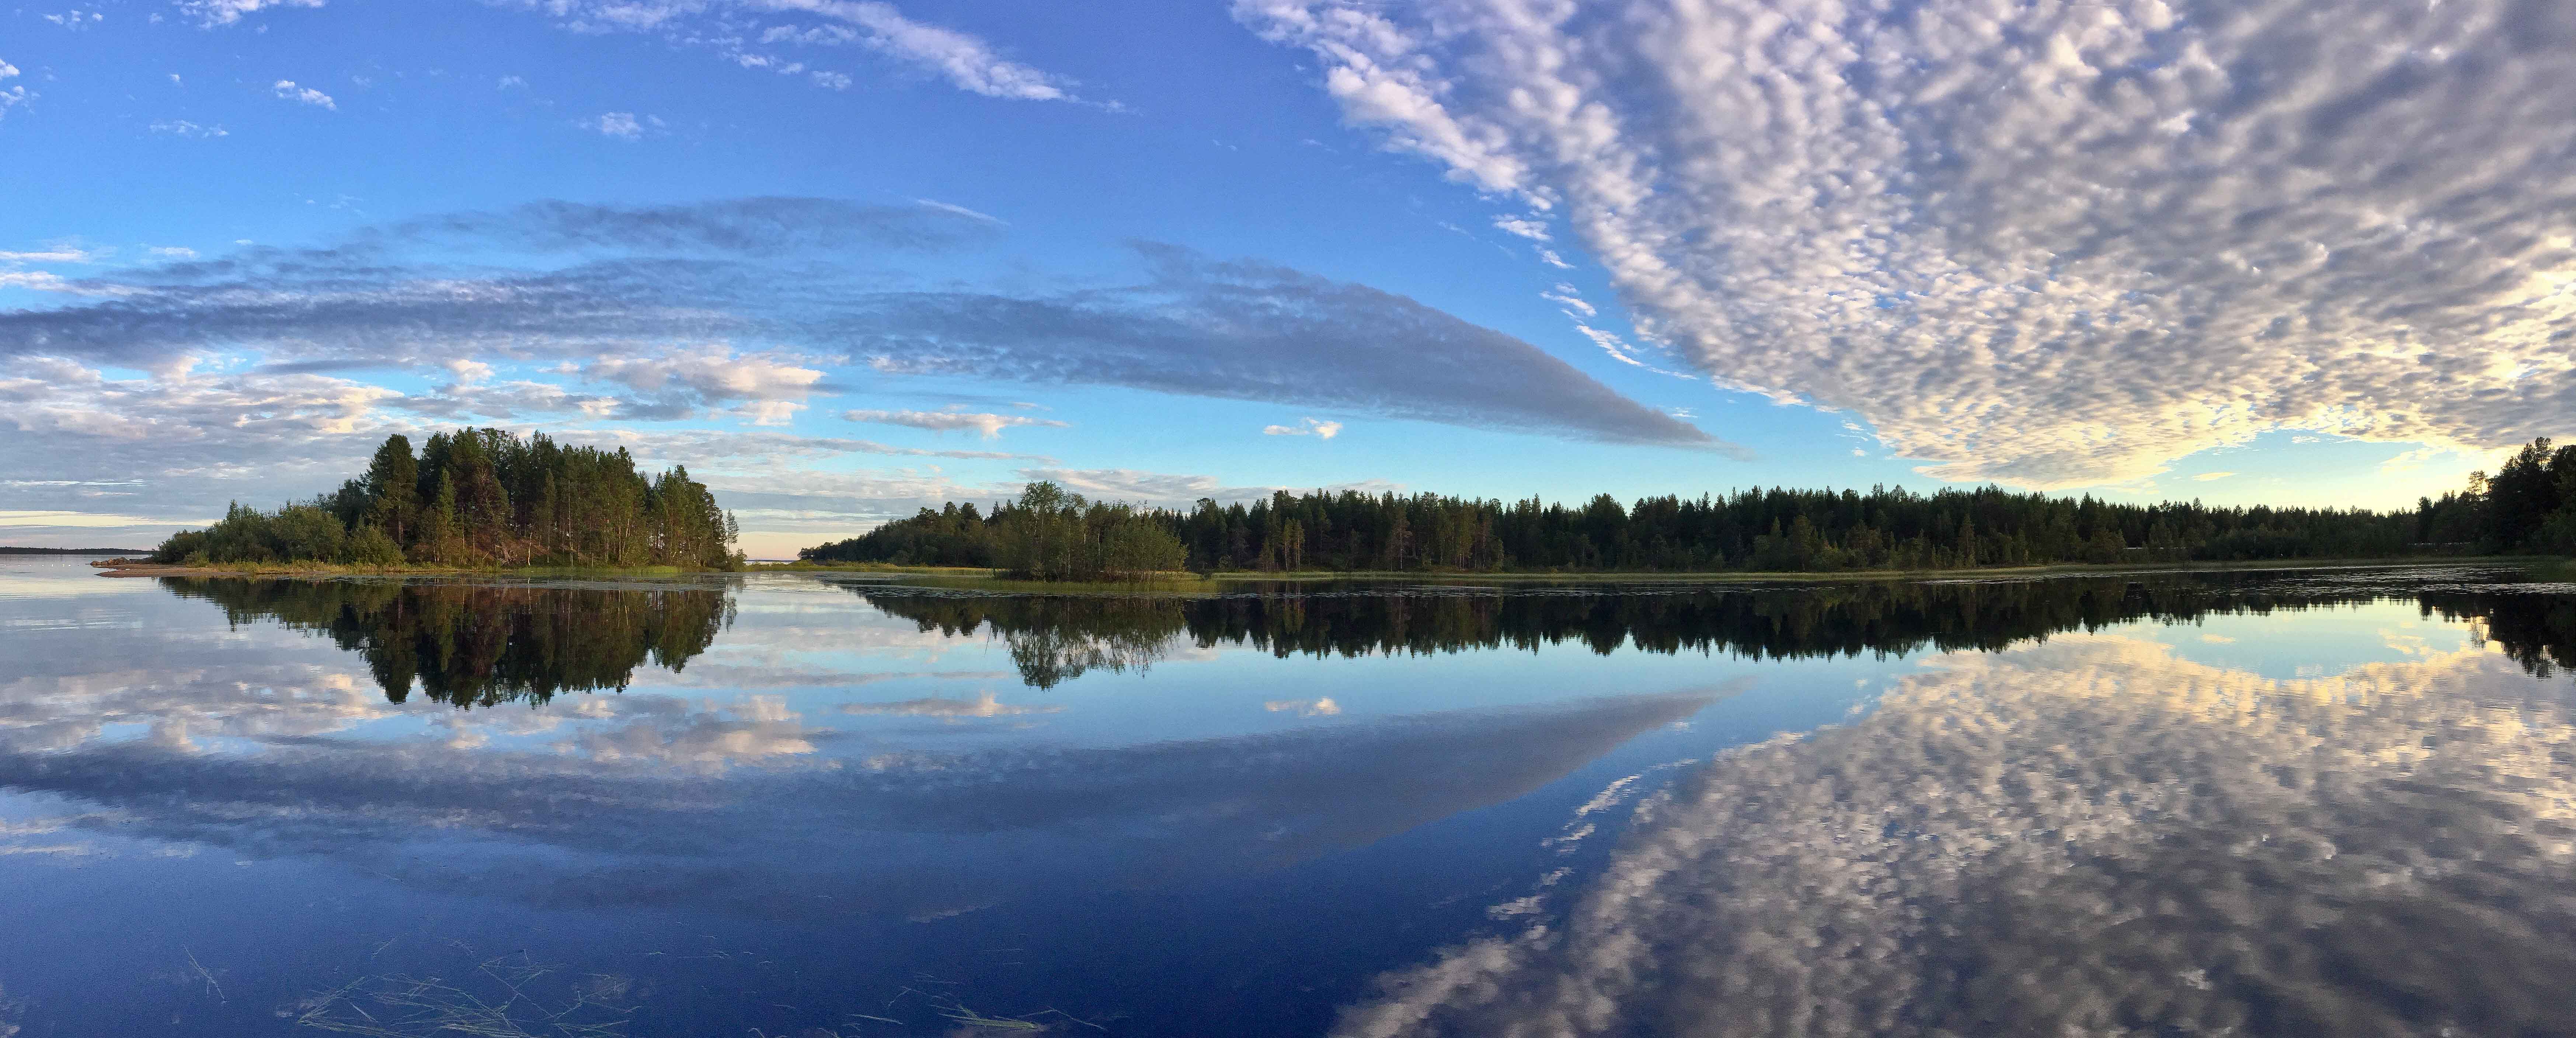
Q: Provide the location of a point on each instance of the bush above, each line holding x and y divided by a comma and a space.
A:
370, 547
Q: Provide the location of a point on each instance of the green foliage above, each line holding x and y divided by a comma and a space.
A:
1053, 535
370, 546
483, 498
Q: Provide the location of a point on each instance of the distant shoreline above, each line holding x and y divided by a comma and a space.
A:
8, 550
989, 578
127, 568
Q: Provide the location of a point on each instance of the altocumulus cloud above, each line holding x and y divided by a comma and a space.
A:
2045, 242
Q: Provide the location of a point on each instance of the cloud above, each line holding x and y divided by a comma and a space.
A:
1324, 707
2052, 245
1172, 490
1249, 330
211, 13
1531, 228
2208, 476
1317, 428
53, 254
960, 210
991, 425
1575, 306
286, 89
966, 62
770, 277
961, 59
622, 125
2060, 839
11, 96
768, 388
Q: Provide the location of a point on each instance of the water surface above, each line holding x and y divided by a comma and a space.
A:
2268, 803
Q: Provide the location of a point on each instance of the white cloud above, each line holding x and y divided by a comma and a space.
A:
1549, 257
184, 128
965, 61
2055, 245
624, 126
211, 13
769, 388
1529, 227
1173, 489
11, 96
1575, 305
287, 90
2209, 476
1324, 707
171, 251
1317, 428
53, 254
990, 425
960, 210
511, 83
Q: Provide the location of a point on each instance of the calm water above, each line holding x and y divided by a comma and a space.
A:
2281, 803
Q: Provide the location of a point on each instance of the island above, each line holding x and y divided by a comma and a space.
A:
475, 499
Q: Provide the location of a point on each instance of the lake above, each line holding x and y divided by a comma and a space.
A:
2280, 802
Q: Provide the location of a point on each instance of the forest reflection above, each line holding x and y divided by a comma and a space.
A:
1055, 638
471, 645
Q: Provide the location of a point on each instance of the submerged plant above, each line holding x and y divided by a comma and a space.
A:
408, 1007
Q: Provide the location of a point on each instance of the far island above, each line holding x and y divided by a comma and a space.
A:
475, 499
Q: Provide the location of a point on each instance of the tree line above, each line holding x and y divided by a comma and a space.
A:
482, 498
2528, 505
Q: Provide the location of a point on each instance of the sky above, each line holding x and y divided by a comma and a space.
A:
844, 259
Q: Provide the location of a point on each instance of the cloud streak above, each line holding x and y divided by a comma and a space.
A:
757, 282
990, 425
2052, 244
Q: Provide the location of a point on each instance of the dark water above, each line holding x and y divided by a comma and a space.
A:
2293, 803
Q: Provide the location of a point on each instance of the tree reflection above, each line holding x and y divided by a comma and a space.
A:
1057, 637
470, 645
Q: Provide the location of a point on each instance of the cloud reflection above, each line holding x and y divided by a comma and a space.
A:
2091, 836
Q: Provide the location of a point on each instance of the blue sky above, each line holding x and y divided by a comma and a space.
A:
844, 259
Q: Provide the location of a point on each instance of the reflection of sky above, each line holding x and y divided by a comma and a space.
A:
2307, 643
841, 793
2095, 835
822, 764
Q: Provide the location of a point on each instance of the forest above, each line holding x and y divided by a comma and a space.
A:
2528, 506
482, 498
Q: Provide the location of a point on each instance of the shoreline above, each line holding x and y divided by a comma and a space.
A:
991, 578
129, 568
987, 579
